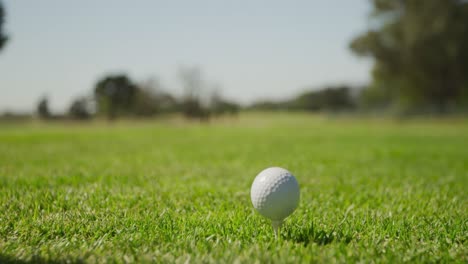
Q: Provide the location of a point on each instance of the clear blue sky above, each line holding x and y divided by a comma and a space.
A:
254, 49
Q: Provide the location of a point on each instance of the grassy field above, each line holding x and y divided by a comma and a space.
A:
371, 190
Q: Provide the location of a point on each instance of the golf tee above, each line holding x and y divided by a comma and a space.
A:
276, 226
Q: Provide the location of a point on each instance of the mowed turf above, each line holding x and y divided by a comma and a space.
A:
371, 190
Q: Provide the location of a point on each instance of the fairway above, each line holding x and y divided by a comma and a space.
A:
172, 191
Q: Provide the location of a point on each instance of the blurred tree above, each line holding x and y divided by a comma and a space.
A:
192, 103
151, 99
146, 103
192, 108
191, 81
115, 95
420, 51
167, 103
330, 99
43, 108
266, 105
3, 37
81, 108
220, 106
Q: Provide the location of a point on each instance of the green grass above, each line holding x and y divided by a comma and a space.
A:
371, 190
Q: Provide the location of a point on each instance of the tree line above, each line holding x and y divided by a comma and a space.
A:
420, 65
338, 98
116, 96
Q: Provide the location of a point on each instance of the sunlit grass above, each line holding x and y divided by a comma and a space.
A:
172, 191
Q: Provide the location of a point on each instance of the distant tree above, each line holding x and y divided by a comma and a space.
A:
192, 82
14, 116
146, 103
268, 105
167, 103
221, 106
420, 52
192, 103
3, 37
330, 99
115, 95
81, 108
151, 99
43, 108
192, 108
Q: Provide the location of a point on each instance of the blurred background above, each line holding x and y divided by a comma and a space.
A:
84, 60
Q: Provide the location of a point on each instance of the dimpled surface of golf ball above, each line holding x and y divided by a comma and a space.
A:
275, 193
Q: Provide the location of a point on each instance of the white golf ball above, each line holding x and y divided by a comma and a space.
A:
275, 193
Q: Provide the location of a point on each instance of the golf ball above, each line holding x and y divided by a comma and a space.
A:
275, 193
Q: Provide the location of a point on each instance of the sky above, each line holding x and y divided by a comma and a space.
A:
252, 49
